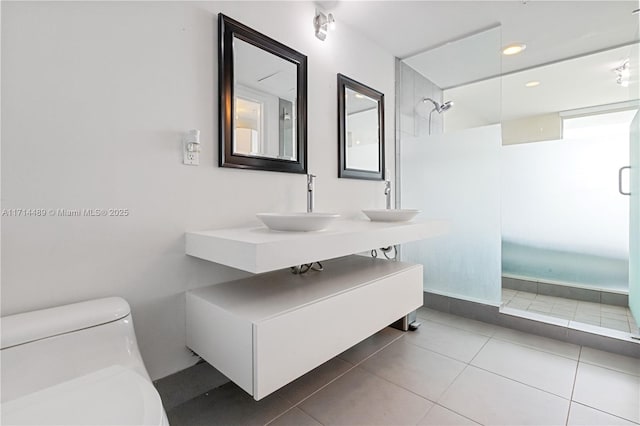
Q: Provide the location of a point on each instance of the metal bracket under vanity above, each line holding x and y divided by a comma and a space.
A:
269, 329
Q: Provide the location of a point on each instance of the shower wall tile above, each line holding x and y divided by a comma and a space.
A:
414, 114
405, 100
615, 299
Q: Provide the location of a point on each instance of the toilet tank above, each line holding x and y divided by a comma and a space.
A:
50, 346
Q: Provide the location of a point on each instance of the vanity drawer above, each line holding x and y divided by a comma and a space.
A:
294, 343
267, 330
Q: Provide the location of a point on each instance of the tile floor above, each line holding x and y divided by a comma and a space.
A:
451, 371
600, 314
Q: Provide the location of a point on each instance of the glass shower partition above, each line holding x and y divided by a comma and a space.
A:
456, 177
448, 163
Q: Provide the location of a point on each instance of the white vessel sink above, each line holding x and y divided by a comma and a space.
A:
297, 222
391, 215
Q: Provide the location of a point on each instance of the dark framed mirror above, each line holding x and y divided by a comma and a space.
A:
263, 101
360, 130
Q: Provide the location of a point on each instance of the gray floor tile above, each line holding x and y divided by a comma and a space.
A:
493, 400
614, 315
440, 416
371, 345
613, 309
425, 313
589, 306
295, 417
362, 398
580, 415
449, 341
419, 370
525, 295
545, 298
227, 405
566, 303
542, 370
470, 325
304, 386
562, 310
556, 347
541, 307
615, 324
587, 319
519, 303
188, 383
609, 391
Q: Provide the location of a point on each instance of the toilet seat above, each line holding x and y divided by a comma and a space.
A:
111, 396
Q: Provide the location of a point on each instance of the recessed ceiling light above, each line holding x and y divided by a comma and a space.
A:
532, 83
513, 49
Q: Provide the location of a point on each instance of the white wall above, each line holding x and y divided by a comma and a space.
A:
96, 97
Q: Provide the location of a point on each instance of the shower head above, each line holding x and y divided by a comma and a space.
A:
446, 106
440, 108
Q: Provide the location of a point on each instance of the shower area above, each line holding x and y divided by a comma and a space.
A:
533, 174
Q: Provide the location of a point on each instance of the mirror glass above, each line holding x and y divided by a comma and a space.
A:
263, 101
361, 130
264, 113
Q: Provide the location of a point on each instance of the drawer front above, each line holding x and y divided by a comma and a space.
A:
292, 344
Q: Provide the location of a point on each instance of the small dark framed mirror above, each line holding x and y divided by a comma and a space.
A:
263, 101
360, 130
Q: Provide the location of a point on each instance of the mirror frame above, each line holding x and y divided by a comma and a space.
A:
345, 83
228, 29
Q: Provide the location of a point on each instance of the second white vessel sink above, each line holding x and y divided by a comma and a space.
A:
391, 215
297, 222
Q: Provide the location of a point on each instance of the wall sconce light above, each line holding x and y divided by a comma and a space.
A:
322, 23
622, 74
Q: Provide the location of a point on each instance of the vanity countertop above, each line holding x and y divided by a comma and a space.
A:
258, 249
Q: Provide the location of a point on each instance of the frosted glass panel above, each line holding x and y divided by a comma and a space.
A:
455, 177
563, 218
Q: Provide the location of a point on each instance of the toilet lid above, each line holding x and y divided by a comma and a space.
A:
112, 396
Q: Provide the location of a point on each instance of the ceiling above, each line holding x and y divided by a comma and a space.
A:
572, 48
552, 30
564, 86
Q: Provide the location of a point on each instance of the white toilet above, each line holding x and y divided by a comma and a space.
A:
76, 364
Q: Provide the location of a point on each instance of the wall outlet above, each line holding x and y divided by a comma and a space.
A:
191, 158
191, 148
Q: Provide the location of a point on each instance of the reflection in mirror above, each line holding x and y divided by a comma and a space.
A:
263, 101
361, 140
361, 131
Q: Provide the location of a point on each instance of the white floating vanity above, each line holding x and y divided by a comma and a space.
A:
258, 249
269, 329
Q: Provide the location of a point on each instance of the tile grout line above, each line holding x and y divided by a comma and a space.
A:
522, 383
329, 382
612, 369
604, 412
573, 388
467, 365
502, 339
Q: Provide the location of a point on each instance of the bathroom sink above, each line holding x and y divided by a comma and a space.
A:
391, 215
297, 222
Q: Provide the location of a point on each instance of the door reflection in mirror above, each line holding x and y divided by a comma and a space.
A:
264, 103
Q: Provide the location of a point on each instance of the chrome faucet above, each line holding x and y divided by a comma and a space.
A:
310, 183
387, 193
